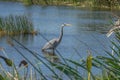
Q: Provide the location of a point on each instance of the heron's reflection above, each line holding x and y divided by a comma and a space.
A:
51, 56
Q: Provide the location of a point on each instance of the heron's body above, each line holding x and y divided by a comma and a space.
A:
52, 44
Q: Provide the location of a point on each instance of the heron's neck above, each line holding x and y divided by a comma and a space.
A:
61, 34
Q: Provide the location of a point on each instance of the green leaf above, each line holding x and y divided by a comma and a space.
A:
1, 77
77, 64
7, 61
67, 70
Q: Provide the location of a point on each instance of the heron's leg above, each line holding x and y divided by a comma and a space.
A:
53, 51
43, 50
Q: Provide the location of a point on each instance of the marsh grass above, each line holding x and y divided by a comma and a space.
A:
16, 25
71, 72
109, 65
15, 72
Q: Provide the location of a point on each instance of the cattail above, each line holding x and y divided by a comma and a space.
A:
24, 63
7, 61
89, 64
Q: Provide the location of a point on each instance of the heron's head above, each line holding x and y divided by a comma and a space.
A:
65, 24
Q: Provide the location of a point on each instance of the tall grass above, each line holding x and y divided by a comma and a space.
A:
66, 69
69, 69
13, 25
109, 65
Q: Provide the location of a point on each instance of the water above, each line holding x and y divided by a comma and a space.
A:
88, 30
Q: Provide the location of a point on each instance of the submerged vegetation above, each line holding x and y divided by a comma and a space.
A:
14, 25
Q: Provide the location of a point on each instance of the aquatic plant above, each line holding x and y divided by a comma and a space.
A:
13, 25
15, 72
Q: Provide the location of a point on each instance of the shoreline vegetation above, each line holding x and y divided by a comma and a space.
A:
16, 25
107, 4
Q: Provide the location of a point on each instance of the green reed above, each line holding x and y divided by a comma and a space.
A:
12, 25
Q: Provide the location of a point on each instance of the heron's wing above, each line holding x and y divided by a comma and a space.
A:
51, 44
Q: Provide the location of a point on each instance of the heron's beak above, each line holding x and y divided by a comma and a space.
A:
68, 24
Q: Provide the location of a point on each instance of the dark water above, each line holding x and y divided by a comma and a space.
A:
88, 30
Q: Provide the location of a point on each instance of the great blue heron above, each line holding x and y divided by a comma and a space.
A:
52, 44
